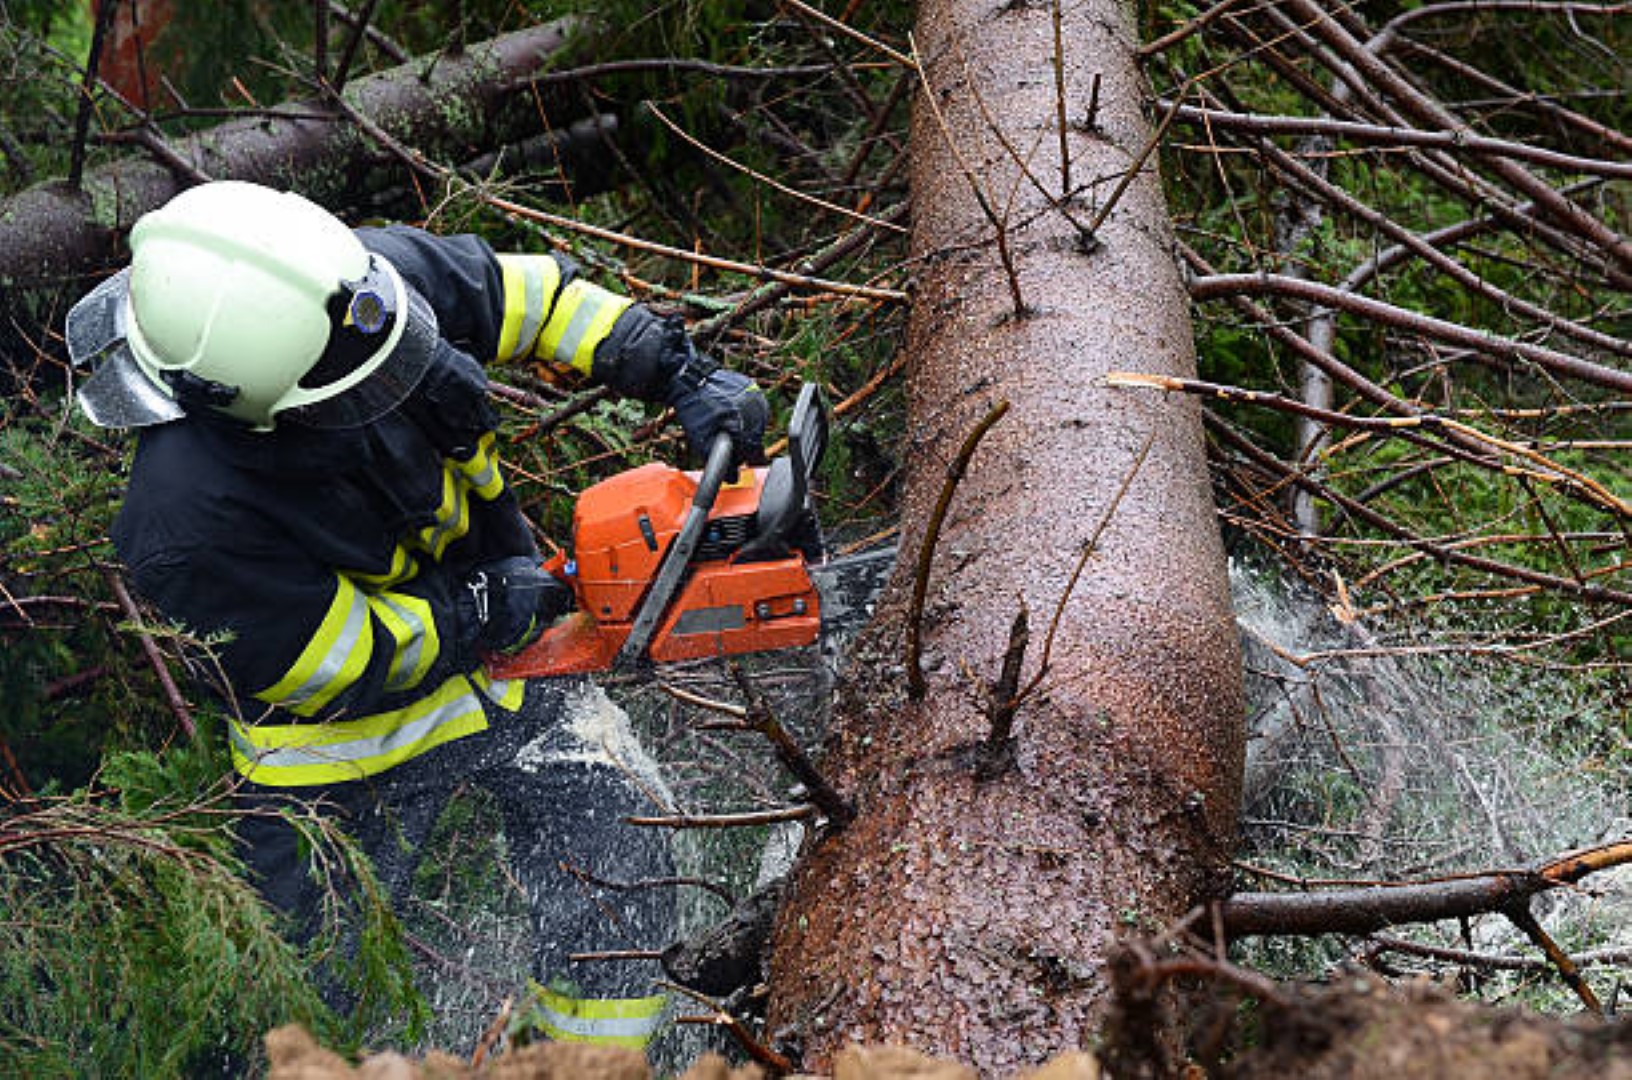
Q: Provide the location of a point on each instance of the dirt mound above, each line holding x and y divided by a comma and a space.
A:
295, 1055
1355, 1029
1360, 1030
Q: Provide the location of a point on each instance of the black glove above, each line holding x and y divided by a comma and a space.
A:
507, 604
709, 399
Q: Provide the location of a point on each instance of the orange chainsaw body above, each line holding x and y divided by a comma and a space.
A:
621, 529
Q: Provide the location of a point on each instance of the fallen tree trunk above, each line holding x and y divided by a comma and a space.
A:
453, 106
972, 905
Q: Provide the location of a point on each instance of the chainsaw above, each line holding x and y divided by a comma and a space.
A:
668, 565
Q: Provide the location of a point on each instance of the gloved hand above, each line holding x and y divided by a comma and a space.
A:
709, 399
505, 605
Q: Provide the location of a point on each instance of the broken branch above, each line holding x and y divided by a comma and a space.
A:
926, 554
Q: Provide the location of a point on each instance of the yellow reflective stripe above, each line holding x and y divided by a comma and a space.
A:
403, 568
610, 1021
452, 517
530, 282
581, 320
299, 755
481, 470
333, 658
413, 630
505, 693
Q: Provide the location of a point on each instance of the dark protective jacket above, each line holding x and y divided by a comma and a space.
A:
326, 565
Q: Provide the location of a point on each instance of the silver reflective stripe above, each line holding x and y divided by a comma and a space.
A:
406, 662
489, 471
360, 749
334, 661
442, 533
607, 1027
241, 741
532, 319
566, 350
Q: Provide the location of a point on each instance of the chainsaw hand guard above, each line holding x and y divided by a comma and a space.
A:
507, 604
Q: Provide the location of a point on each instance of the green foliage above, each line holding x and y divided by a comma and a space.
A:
135, 947
67, 688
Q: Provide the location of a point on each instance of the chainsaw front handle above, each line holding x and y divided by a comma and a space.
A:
677, 560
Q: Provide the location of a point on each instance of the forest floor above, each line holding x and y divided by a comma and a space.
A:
1357, 1029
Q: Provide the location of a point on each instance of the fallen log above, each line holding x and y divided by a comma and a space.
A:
452, 106
1368, 909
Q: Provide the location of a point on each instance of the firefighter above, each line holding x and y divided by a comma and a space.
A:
315, 487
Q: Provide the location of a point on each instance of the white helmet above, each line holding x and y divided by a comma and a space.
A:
253, 302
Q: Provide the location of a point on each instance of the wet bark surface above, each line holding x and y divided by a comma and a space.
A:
971, 917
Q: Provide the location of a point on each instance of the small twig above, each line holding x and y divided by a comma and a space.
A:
1003, 702
1545, 469
926, 554
1139, 160
1195, 25
607, 955
851, 32
1059, 103
172, 694
421, 164
320, 39
1466, 957
649, 883
755, 1049
1520, 915
548, 422
82, 115
760, 718
706, 332
725, 821
1089, 546
837, 288
982, 200
360, 27
833, 208
490, 1037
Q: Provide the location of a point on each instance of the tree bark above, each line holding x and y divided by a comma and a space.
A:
972, 916
443, 105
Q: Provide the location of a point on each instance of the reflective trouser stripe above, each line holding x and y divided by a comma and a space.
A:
333, 658
612, 1021
581, 320
300, 755
413, 630
507, 694
530, 283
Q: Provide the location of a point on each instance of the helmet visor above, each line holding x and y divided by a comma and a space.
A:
118, 393
387, 385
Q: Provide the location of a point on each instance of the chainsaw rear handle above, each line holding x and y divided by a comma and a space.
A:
672, 571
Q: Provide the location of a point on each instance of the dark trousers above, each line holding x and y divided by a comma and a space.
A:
564, 772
